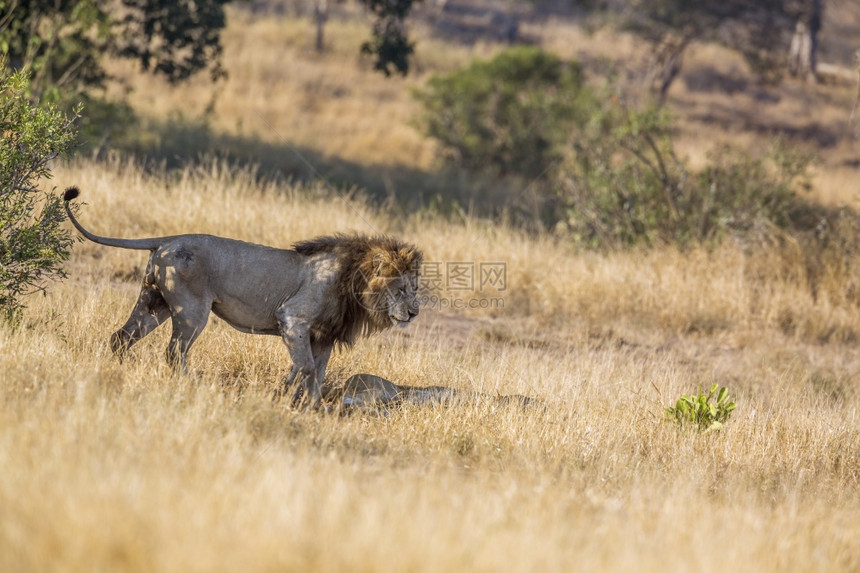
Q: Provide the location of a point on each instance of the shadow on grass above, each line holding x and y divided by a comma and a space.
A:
178, 143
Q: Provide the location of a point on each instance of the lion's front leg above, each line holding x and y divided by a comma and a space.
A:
321, 357
292, 387
296, 337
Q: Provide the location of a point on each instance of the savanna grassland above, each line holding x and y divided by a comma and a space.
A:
122, 466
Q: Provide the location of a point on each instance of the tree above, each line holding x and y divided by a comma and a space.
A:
174, 38
758, 30
320, 17
63, 41
59, 42
803, 53
389, 43
33, 245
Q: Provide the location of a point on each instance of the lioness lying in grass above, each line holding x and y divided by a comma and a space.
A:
366, 391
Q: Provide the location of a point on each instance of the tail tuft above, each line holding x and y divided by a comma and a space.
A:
71, 193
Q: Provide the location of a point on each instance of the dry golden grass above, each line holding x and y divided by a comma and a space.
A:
281, 91
288, 106
124, 467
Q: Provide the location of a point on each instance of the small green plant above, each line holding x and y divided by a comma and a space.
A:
700, 411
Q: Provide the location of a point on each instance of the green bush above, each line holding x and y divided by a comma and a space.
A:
510, 115
622, 184
621, 179
33, 245
602, 173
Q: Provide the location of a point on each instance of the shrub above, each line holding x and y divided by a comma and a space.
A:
509, 115
592, 168
33, 245
623, 184
621, 180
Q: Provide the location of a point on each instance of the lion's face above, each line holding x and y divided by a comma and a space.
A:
402, 299
391, 294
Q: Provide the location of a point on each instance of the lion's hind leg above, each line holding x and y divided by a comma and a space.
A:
188, 323
149, 312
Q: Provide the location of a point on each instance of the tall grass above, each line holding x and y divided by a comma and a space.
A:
122, 466
292, 110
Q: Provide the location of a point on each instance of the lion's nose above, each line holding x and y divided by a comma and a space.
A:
413, 313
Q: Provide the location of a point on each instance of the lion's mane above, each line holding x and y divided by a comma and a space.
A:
367, 264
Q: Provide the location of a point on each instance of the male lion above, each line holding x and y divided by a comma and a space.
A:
324, 291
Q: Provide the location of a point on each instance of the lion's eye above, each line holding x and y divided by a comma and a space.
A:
402, 291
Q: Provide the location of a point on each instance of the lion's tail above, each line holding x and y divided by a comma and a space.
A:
140, 244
